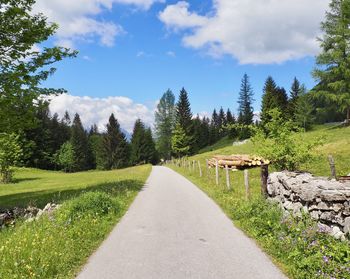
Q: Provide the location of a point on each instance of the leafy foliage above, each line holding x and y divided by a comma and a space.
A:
180, 142
279, 143
10, 155
22, 68
65, 157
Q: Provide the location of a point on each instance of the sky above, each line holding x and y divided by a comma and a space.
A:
132, 51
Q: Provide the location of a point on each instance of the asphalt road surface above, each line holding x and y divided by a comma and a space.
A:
173, 230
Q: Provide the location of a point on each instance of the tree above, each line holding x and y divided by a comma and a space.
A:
10, 155
283, 146
333, 63
273, 98
65, 157
22, 68
294, 97
245, 101
151, 152
268, 101
222, 122
180, 142
231, 121
184, 117
80, 145
114, 152
214, 127
304, 114
164, 123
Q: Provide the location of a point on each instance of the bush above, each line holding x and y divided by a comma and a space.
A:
282, 143
65, 157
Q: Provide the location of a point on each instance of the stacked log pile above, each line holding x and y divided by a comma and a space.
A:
237, 161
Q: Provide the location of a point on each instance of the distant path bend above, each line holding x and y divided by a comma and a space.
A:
174, 231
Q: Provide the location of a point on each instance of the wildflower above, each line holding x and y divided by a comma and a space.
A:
325, 259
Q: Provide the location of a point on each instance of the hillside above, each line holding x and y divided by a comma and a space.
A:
334, 140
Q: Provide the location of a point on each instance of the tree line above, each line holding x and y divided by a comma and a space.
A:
30, 136
65, 144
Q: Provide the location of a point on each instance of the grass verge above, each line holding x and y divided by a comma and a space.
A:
297, 245
57, 246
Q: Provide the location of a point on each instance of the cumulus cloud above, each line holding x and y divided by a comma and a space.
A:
77, 19
97, 110
252, 31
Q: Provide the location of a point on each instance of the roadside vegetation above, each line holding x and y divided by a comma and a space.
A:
297, 245
56, 246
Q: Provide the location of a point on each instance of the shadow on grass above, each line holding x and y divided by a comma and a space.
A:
41, 198
18, 180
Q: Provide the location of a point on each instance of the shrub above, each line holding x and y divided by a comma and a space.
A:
282, 142
65, 157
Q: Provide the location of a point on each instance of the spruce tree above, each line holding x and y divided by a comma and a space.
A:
184, 117
232, 132
139, 144
114, 151
164, 123
214, 127
245, 101
222, 122
268, 100
80, 145
294, 96
151, 152
333, 63
282, 101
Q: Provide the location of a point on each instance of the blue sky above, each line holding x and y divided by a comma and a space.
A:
140, 49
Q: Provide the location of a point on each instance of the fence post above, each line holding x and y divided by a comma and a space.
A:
246, 183
332, 166
207, 166
217, 172
200, 169
227, 178
264, 177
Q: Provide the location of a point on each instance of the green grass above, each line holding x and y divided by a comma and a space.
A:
57, 246
38, 187
295, 245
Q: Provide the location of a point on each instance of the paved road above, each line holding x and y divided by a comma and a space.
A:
174, 231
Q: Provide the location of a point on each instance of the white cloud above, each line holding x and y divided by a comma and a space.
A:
252, 31
77, 19
98, 110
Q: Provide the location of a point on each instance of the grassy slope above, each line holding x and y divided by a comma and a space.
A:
57, 247
259, 222
38, 187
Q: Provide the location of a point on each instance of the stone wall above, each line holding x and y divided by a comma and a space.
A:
327, 201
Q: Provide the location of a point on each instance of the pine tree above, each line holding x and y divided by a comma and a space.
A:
222, 122
245, 101
138, 144
183, 111
180, 141
232, 132
114, 150
273, 98
333, 64
80, 145
151, 152
294, 96
214, 127
184, 117
164, 123
304, 114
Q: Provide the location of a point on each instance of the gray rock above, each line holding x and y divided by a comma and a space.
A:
337, 233
315, 214
337, 207
327, 216
323, 206
333, 195
347, 225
